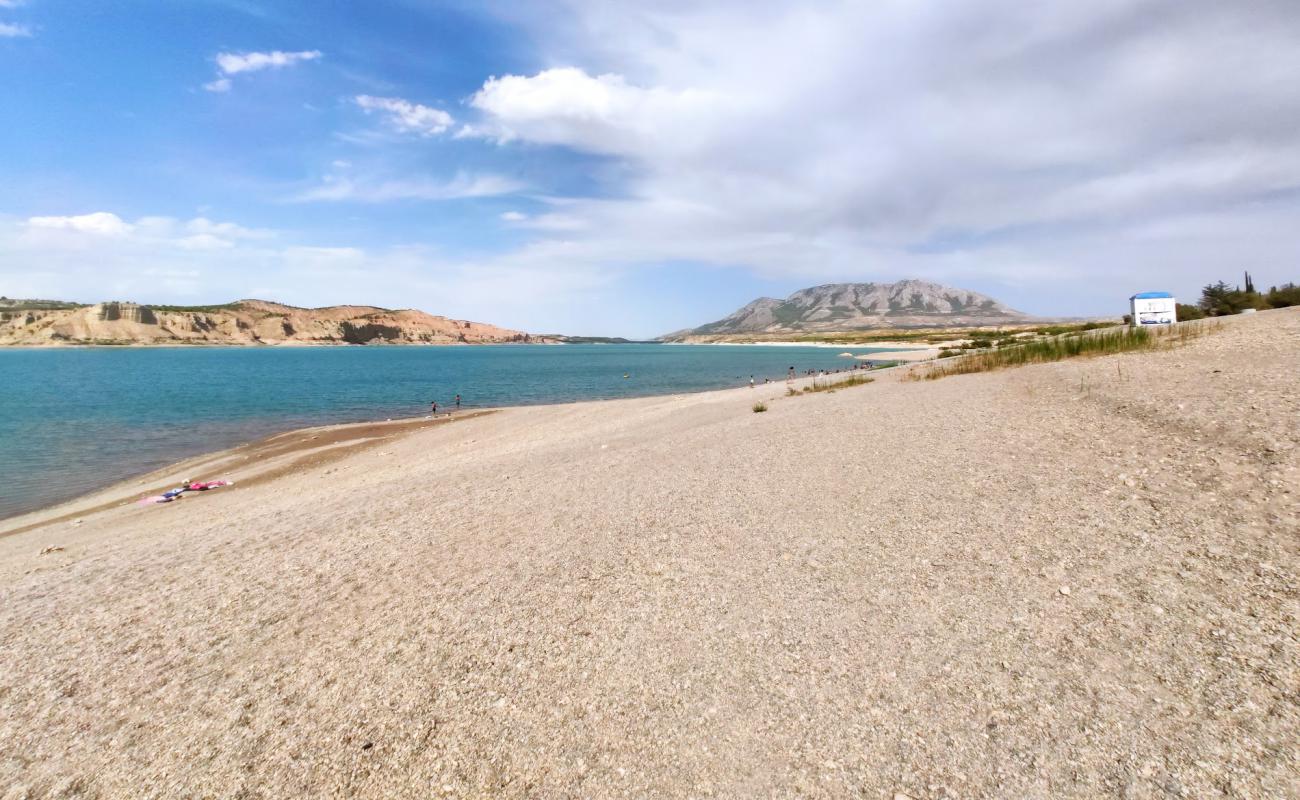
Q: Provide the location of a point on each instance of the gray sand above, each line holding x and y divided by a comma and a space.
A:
1072, 580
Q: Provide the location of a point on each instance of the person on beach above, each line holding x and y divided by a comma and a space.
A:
790, 378
751, 381
433, 407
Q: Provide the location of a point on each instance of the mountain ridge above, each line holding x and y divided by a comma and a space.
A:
843, 307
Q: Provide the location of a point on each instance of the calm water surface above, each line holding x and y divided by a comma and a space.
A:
73, 420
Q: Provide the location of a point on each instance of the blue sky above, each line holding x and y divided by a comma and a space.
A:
609, 167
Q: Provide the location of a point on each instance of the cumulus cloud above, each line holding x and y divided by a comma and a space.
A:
10, 30
1014, 148
100, 223
601, 113
237, 63
406, 116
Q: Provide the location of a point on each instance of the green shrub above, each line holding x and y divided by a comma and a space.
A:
759, 408
1284, 296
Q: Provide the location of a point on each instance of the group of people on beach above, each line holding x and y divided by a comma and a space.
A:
433, 405
790, 375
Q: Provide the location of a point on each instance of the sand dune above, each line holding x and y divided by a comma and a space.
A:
1071, 580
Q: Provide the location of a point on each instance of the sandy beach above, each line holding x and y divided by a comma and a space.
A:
1066, 580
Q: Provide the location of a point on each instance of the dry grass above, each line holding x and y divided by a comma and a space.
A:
1071, 345
829, 384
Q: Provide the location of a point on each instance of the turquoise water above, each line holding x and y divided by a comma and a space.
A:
73, 420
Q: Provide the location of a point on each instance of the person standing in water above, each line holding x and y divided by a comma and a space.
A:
433, 407
458, 402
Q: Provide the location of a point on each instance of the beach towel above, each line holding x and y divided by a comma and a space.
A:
178, 493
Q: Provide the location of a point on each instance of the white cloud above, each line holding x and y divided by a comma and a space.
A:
1006, 146
601, 114
205, 227
204, 241
406, 116
9, 30
10, 3
461, 186
100, 223
513, 216
235, 63
199, 233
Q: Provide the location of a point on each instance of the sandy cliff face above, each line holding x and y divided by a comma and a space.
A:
246, 322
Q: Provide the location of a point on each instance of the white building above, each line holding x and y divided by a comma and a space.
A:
1153, 308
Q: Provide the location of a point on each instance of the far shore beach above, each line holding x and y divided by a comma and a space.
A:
1066, 580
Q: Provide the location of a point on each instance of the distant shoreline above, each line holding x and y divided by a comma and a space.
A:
878, 346
255, 345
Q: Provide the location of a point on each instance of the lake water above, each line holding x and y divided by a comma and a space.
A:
76, 419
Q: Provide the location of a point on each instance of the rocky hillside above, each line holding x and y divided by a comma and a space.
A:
246, 322
837, 307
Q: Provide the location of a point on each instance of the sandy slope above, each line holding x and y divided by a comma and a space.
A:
244, 322
1073, 580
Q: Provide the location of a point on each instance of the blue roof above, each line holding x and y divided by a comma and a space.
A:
1150, 295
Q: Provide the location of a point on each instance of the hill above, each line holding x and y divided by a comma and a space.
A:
246, 322
840, 307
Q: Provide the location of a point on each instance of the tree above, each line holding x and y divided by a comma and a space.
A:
1284, 296
1184, 312
1216, 299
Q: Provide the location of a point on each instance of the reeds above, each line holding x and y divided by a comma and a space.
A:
828, 384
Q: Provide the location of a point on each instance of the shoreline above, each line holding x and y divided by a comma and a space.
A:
366, 432
882, 346
143, 468
272, 450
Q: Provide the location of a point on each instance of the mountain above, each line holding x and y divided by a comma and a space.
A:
839, 307
246, 322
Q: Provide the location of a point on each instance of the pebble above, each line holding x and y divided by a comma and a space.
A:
54, 548
1065, 590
